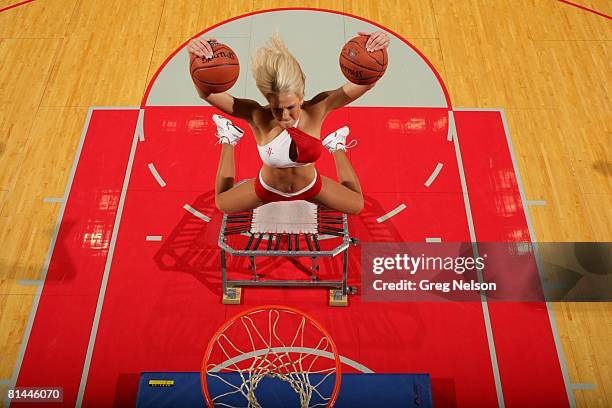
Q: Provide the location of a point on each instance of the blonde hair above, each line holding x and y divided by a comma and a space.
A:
275, 70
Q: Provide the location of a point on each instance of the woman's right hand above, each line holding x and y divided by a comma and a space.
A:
201, 47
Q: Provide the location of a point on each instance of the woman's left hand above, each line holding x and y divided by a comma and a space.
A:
378, 40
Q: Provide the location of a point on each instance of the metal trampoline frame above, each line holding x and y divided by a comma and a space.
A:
330, 223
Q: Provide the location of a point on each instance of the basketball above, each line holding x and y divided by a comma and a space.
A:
217, 74
360, 66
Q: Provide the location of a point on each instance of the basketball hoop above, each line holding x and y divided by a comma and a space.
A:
271, 348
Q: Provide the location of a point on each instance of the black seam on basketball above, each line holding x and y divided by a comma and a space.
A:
372, 58
214, 83
361, 66
215, 66
196, 69
371, 55
376, 60
356, 42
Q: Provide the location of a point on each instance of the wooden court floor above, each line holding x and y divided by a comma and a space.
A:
545, 62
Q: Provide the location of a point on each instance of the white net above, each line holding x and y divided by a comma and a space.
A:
271, 349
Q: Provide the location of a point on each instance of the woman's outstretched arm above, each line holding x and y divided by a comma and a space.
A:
237, 107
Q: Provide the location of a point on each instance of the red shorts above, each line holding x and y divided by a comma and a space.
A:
268, 194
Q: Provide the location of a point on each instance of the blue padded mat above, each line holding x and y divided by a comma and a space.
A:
357, 390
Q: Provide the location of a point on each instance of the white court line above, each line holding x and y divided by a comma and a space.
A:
551, 315
433, 240
109, 259
155, 174
45, 267
583, 386
536, 202
452, 130
196, 213
434, 174
154, 238
485, 306
53, 200
140, 126
391, 213
30, 282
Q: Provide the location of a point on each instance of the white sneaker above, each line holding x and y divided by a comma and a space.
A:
227, 132
337, 140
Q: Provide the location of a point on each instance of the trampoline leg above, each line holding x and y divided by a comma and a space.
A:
314, 269
339, 297
231, 296
223, 273
345, 272
253, 267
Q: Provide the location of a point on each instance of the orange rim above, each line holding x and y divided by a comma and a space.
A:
224, 326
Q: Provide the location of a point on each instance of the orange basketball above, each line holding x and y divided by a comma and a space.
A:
360, 66
217, 74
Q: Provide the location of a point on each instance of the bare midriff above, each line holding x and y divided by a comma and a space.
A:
288, 180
